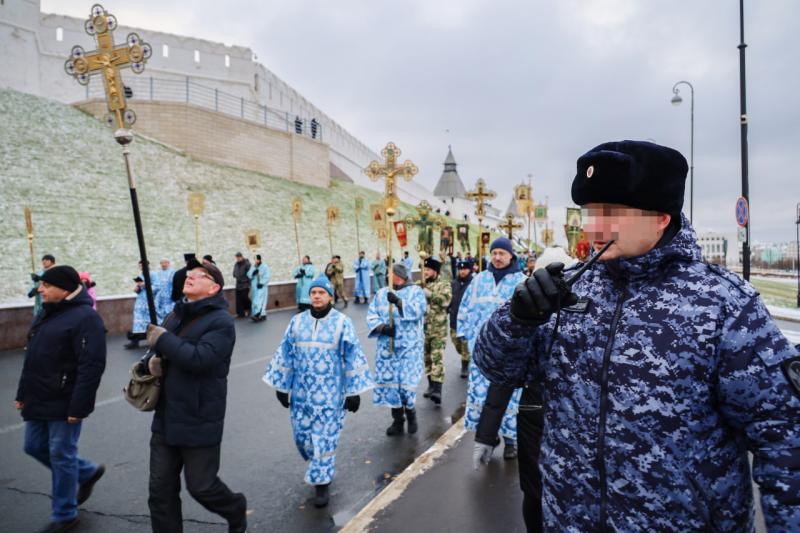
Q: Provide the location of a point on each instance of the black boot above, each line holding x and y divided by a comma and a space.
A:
510, 449
397, 425
436, 392
427, 393
464, 369
411, 414
321, 497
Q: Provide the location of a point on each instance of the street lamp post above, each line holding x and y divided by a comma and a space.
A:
743, 122
676, 100
797, 244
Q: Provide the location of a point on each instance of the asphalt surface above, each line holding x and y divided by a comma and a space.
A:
258, 454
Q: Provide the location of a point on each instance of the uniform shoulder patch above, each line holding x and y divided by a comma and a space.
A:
791, 369
733, 280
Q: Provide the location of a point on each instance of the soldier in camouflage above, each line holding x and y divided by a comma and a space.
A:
659, 372
335, 273
437, 295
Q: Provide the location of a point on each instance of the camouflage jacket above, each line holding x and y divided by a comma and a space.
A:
660, 380
335, 273
438, 302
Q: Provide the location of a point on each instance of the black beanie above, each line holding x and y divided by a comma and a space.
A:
637, 174
62, 276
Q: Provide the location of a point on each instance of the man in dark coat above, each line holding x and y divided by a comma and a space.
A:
64, 361
240, 270
192, 355
180, 277
458, 287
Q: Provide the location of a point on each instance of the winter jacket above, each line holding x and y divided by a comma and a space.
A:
240, 270
64, 360
191, 408
660, 380
458, 287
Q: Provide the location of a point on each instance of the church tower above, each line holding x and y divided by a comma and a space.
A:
450, 186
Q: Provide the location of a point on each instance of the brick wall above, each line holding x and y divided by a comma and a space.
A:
219, 138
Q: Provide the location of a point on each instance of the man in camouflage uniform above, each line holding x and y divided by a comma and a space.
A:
658, 373
335, 273
437, 295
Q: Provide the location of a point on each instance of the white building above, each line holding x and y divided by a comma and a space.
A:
714, 247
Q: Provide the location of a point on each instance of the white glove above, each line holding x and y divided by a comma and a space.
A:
482, 454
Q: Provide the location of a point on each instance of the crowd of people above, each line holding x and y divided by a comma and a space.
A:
630, 392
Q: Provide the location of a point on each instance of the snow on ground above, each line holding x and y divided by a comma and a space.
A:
66, 166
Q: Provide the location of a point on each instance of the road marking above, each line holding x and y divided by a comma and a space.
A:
395, 489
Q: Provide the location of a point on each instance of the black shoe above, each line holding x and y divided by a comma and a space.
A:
345, 303
436, 393
241, 525
464, 369
411, 415
510, 451
427, 393
59, 527
397, 425
85, 489
134, 344
322, 495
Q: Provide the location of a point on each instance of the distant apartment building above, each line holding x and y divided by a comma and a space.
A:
714, 247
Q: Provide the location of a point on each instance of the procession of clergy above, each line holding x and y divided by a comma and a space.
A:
319, 369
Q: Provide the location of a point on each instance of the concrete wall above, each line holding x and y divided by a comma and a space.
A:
117, 312
220, 138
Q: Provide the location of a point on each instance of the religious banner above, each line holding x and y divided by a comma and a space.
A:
297, 208
446, 240
485, 237
540, 212
196, 203
378, 217
252, 238
359, 204
400, 231
547, 237
463, 236
332, 215
381, 234
574, 217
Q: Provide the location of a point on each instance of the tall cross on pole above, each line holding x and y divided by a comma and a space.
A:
509, 226
425, 221
390, 171
479, 196
106, 61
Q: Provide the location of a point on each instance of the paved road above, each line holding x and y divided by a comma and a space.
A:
258, 454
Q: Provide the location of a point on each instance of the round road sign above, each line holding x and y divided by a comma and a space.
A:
742, 211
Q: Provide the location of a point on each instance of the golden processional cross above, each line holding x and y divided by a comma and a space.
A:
390, 171
509, 226
479, 196
106, 62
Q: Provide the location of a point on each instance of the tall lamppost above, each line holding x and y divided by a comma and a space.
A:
743, 135
797, 244
676, 100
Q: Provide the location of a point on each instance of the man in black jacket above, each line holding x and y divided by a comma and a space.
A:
180, 277
192, 355
459, 287
64, 360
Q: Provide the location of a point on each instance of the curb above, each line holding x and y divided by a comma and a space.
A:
361, 521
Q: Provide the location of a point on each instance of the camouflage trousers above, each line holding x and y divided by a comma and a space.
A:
461, 344
338, 291
434, 356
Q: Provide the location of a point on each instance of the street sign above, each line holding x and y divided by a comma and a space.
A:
741, 235
742, 212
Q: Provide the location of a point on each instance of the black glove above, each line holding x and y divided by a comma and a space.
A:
32, 292
352, 403
541, 295
385, 329
393, 298
260, 286
35, 277
283, 398
298, 275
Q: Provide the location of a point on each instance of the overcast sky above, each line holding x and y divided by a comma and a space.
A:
527, 86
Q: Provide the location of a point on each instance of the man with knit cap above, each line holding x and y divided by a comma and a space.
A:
395, 317
659, 372
437, 296
319, 370
487, 291
64, 360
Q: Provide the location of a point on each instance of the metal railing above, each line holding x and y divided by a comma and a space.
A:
191, 92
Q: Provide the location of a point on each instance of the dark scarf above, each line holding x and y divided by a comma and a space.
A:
500, 273
322, 313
